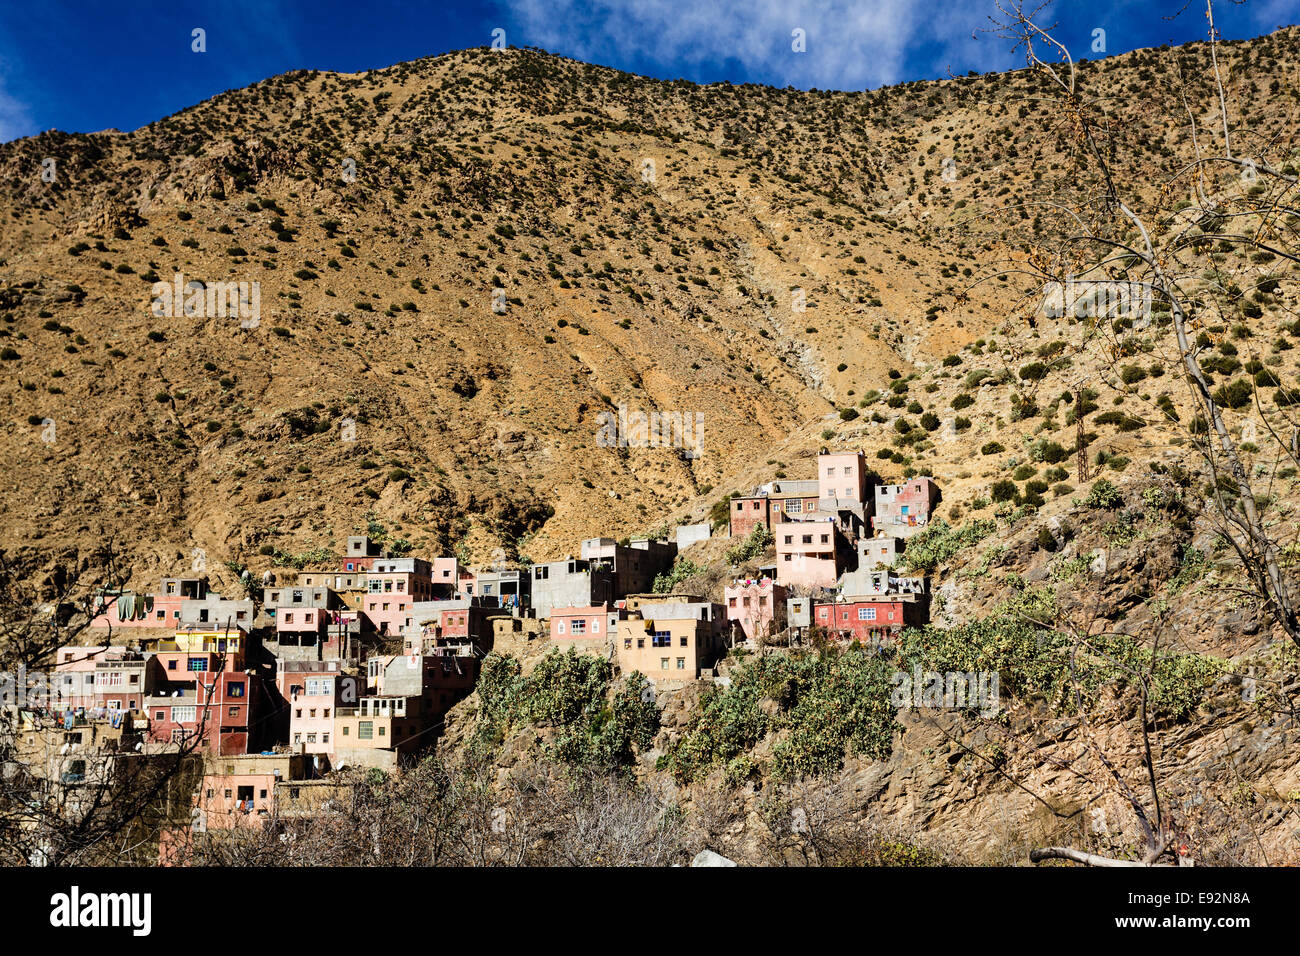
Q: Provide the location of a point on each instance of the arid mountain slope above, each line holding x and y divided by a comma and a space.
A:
651, 240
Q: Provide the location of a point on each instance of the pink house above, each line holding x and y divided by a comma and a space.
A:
903, 510
808, 554
315, 690
842, 475
393, 586
73, 683
127, 609
445, 578
757, 605
590, 630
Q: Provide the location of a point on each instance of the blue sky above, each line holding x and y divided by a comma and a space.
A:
81, 66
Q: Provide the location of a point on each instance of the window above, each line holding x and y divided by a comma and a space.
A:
867, 614
794, 506
232, 711
755, 505
579, 627
595, 626
731, 602
235, 689
559, 627
683, 642
662, 639
288, 617
848, 470
681, 663
183, 715
627, 643
365, 729
196, 664
663, 663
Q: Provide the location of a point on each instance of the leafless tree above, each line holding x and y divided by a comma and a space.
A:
114, 814
1200, 238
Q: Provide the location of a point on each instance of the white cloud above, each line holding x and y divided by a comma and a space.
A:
851, 44
15, 120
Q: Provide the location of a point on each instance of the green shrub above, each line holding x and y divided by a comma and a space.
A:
1104, 495
935, 545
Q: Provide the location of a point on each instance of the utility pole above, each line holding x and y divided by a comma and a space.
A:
1080, 440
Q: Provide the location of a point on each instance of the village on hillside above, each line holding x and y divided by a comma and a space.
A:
356, 662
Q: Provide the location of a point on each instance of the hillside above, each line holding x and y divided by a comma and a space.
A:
664, 287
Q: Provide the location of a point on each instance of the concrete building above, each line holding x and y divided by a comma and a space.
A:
879, 551
870, 619
310, 623
573, 582
380, 722
877, 583
509, 588
756, 606
773, 503
810, 554
686, 535
589, 630
393, 585
903, 510
128, 609
240, 790
842, 475
213, 609
314, 690
461, 624
798, 614
206, 693
439, 680
72, 686
635, 564
671, 643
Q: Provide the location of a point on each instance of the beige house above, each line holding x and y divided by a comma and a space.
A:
671, 642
